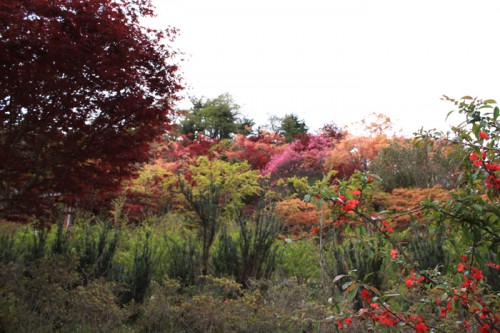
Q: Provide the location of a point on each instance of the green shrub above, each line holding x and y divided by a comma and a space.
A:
9, 251
61, 245
138, 277
426, 248
225, 256
96, 246
37, 246
300, 260
208, 208
360, 254
182, 260
403, 164
253, 254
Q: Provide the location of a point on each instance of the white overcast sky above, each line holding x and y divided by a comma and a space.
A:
339, 60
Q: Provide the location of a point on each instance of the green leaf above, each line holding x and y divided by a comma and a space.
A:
475, 129
440, 286
466, 136
347, 284
351, 292
477, 207
467, 97
479, 306
490, 101
307, 198
496, 113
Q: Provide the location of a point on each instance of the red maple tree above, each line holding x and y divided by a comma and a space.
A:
84, 90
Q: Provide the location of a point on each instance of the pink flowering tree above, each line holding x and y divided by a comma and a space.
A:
304, 157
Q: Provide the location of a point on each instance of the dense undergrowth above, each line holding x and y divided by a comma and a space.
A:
99, 277
199, 251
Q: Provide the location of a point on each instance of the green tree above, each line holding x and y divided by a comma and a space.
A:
216, 118
253, 254
215, 189
207, 207
291, 127
245, 126
236, 181
403, 164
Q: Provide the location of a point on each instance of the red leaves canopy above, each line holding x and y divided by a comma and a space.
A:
84, 89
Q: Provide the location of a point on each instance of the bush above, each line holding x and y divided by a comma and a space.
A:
181, 260
96, 246
36, 248
361, 255
9, 249
254, 253
426, 248
300, 260
47, 296
162, 311
402, 164
138, 278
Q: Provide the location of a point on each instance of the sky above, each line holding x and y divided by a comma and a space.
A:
336, 61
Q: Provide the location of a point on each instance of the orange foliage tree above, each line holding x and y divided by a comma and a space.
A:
354, 153
402, 201
298, 216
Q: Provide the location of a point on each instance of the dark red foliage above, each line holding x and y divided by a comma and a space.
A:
84, 90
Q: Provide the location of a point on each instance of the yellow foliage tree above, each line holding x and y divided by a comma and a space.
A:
235, 180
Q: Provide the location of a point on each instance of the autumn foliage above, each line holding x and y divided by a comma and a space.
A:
308, 235
303, 157
257, 151
84, 91
403, 200
354, 153
298, 216
362, 231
